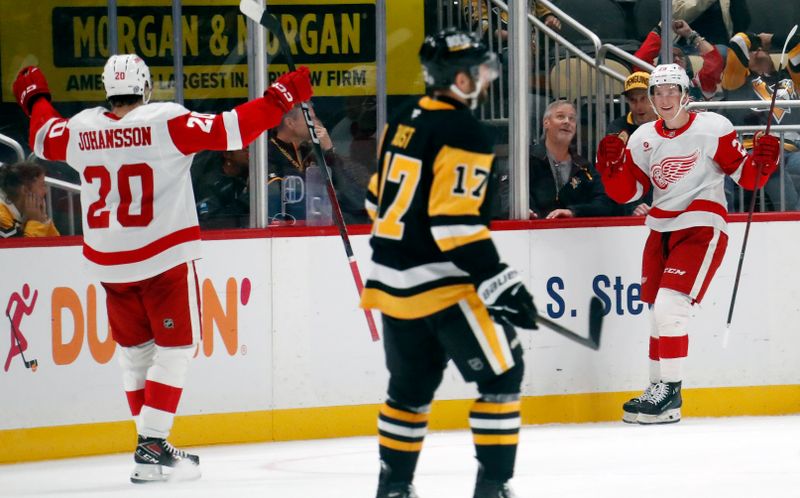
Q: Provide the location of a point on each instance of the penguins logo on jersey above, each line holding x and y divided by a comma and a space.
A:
672, 169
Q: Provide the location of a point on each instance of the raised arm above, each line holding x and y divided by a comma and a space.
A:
234, 129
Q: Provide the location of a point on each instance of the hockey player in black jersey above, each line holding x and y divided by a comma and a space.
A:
437, 278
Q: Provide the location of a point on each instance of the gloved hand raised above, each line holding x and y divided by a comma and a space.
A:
766, 153
507, 299
29, 86
610, 152
291, 88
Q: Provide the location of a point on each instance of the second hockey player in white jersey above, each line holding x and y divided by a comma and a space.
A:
140, 227
684, 157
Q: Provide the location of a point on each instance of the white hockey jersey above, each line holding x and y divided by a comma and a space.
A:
686, 169
139, 216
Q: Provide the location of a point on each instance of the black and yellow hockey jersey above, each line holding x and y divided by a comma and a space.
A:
430, 234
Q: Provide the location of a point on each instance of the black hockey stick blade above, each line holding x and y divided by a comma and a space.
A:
592, 340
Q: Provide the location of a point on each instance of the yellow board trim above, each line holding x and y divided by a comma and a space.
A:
45, 443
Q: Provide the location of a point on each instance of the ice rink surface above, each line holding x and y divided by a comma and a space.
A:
743, 457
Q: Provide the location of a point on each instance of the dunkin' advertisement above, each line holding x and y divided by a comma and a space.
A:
59, 362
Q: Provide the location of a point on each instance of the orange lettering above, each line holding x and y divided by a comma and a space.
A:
227, 320
101, 351
66, 299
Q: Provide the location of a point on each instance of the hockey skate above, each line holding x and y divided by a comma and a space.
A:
491, 489
630, 410
157, 460
663, 405
388, 489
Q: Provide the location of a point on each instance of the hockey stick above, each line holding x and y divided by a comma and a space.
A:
255, 11
592, 341
753, 198
33, 364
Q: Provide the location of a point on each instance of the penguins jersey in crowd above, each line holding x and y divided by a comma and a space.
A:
139, 216
428, 200
687, 169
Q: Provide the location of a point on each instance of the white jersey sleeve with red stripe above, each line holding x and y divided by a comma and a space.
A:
687, 169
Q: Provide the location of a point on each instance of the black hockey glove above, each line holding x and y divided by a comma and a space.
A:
507, 299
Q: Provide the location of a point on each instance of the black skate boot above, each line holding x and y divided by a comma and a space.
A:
663, 405
388, 489
630, 410
491, 489
154, 454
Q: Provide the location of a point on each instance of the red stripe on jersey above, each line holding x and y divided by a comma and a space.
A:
698, 205
654, 348
57, 137
161, 396
194, 132
135, 401
673, 347
730, 153
143, 253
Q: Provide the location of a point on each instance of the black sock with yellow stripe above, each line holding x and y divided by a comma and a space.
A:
495, 420
401, 430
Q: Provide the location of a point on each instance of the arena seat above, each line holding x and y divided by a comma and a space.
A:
566, 82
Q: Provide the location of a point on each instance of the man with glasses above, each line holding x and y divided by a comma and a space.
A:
684, 157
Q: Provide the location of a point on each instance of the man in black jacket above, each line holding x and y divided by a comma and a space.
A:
562, 183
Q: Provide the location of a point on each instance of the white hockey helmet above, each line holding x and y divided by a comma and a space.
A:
127, 74
669, 74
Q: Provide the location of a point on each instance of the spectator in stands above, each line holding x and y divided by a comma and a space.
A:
224, 194
289, 155
477, 13
356, 143
23, 210
716, 19
641, 112
706, 81
750, 74
562, 183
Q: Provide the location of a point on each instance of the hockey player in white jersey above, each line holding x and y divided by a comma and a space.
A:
684, 157
140, 228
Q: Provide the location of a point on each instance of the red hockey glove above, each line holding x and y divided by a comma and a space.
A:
610, 151
29, 86
766, 154
291, 88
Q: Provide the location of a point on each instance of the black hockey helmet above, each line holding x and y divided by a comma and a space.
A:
452, 51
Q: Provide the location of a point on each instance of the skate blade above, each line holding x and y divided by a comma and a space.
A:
144, 473
630, 418
668, 417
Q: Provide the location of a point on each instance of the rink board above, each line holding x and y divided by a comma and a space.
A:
286, 353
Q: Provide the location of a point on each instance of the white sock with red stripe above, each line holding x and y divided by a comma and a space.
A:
163, 389
134, 362
672, 310
655, 365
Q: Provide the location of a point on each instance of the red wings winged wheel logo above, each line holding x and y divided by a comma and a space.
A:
672, 169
